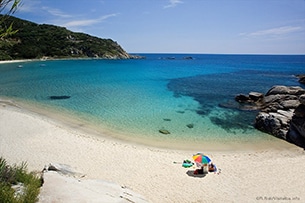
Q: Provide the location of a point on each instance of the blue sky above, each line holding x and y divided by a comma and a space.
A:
181, 26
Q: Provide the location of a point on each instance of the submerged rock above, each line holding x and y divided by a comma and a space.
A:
163, 131
190, 125
59, 97
188, 58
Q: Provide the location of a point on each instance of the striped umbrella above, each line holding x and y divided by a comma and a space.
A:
201, 159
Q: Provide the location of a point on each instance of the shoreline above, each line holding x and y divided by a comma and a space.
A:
69, 58
154, 172
166, 142
18, 61
203, 134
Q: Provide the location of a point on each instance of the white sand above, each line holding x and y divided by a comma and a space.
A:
269, 175
17, 61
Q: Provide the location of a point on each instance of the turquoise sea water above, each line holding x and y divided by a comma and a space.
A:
164, 91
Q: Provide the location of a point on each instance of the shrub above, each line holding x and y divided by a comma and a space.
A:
17, 175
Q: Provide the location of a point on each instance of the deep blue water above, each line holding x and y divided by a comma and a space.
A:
163, 91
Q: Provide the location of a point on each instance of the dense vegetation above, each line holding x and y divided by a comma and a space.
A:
34, 41
17, 185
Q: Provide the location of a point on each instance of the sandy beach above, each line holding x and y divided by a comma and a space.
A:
16, 61
262, 175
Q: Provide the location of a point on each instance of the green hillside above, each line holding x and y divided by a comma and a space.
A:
36, 41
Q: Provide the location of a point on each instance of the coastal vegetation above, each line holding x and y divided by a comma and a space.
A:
7, 30
36, 41
16, 184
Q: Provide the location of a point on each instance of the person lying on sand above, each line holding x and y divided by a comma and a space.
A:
212, 168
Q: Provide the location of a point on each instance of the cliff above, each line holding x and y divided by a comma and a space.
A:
35, 41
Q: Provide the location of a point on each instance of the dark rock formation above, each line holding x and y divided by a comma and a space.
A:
167, 119
163, 131
191, 125
301, 78
252, 101
59, 97
282, 112
252, 97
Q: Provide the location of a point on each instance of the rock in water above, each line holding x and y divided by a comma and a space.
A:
163, 131
190, 125
301, 78
282, 112
59, 97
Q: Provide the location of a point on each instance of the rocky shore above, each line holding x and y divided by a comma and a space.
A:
281, 111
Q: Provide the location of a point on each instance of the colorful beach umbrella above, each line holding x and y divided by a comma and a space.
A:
201, 159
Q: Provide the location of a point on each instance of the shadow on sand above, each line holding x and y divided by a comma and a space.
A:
191, 173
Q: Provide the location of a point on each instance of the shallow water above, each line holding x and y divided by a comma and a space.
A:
137, 98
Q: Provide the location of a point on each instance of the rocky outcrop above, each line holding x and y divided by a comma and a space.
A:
282, 112
296, 132
64, 184
301, 78
252, 101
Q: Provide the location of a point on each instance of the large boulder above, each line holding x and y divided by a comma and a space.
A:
280, 89
299, 125
282, 112
256, 96
296, 133
290, 104
302, 99
268, 123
